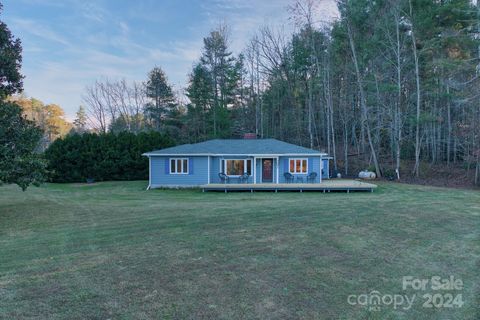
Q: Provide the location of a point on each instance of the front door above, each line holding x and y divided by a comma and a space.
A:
267, 170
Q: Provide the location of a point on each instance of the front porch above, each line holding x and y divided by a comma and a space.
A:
324, 186
267, 169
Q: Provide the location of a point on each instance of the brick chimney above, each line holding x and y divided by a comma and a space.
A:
250, 136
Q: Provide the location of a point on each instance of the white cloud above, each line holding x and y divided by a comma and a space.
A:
50, 3
107, 45
38, 30
245, 17
91, 11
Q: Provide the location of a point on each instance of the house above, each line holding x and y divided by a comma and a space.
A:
254, 161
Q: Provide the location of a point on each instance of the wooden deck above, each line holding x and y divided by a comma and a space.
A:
325, 186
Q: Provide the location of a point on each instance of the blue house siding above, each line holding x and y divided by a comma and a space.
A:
160, 172
326, 169
214, 169
258, 170
313, 166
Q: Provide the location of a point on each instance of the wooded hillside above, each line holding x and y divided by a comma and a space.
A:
390, 84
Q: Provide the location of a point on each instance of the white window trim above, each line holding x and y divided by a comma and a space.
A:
301, 165
176, 160
244, 166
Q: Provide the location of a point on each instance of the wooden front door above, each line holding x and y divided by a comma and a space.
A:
267, 170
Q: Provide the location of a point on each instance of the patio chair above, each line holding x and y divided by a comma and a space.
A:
312, 176
223, 177
243, 178
288, 177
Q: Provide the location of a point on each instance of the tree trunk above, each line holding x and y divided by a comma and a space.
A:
416, 168
477, 170
363, 102
449, 126
310, 97
330, 111
398, 116
345, 147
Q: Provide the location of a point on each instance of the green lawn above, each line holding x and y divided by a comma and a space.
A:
116, 251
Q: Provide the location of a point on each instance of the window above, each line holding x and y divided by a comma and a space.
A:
178, 166
298, 166
236, 167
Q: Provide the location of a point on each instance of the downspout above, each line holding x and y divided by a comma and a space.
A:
149, 172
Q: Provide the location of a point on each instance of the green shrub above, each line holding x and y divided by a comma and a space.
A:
389, 174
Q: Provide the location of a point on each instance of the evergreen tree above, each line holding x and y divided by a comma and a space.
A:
19, 137
199, 91
161, 94
80, 122
219, 62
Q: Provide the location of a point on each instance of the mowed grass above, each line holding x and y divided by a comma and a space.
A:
115, 251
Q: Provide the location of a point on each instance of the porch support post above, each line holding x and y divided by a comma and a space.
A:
208, 170
254, 170
278, 168
321, 167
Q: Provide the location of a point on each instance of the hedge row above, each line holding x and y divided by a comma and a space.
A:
76, 158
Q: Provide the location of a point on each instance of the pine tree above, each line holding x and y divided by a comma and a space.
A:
80, 122
199, 91
161, 94
219, 62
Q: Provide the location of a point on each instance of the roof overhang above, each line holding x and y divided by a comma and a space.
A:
150, 154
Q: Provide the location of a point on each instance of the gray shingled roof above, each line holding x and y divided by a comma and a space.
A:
236, 147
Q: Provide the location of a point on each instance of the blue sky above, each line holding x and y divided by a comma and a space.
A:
68, 44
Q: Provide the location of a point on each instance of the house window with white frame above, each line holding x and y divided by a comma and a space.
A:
236, 167
178, 165
298, 165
